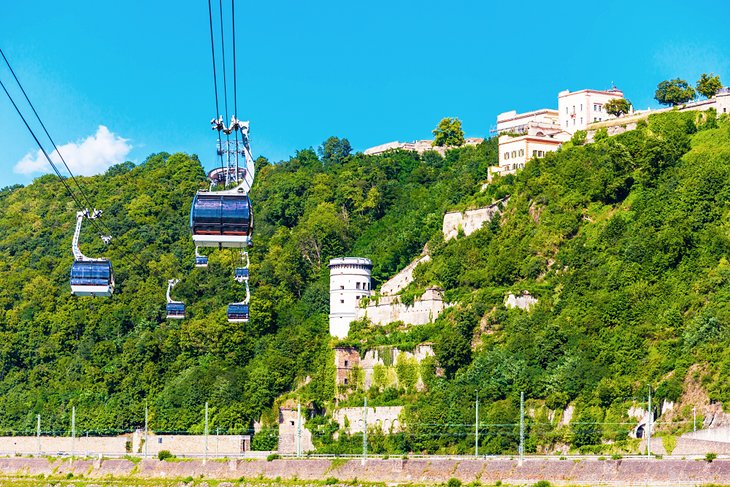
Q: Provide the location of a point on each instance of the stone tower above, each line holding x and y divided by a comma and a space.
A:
349, 282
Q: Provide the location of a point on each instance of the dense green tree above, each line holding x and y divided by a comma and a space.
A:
448, 133
708, 85
674, 92
617, 107
334, 150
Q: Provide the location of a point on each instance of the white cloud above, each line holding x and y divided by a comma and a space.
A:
93, 155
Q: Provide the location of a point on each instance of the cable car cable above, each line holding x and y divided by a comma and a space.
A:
235, 90
40, 146
79, 206
212, 49
32, 107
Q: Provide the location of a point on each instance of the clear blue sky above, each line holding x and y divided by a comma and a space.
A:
372, 71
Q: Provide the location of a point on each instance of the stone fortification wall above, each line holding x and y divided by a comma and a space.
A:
348, 359
399, 281
398, 471
293, 431
469, 221
389, 309
384, 418
523, 301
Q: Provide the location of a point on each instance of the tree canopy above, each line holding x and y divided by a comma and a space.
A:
708, 85
674, 92
448, 133
617, 107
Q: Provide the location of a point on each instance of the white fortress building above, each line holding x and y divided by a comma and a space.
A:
523, 136
349, 282
580, 108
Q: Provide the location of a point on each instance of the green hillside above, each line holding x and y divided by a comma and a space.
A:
108, 356
624, 242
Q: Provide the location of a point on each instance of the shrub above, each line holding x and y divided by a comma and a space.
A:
709, 457
541, 483
272, 457
453, 482
331, 481
164, 455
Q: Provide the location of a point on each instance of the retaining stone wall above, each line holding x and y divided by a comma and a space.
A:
427, 471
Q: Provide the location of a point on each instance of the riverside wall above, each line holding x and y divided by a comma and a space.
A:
625, 472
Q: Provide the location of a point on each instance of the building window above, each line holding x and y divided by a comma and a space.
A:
566, 110
581, 120
522, 152
342, 287
342, 301
357, 285
357, 297
506, 155
581, 107
292, 423
514, 153
347, 362
534, 153
566, 123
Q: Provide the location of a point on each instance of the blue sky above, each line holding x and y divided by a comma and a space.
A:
122, 80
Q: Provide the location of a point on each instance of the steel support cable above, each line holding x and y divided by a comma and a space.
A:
223, 61
235, 87
55, 147
225, 89
215, 74
212, 51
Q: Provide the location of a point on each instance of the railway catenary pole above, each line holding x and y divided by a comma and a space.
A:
476, 426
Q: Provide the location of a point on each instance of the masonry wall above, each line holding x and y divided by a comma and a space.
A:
53, 445
469, 221
385, 418
399, 281
382, 357
428, 471
289, 422
214, 445
389, 309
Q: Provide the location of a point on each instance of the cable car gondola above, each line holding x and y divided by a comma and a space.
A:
90, 277
221, 219
200, 260
238, 313
175, 309
225, 218
241, 273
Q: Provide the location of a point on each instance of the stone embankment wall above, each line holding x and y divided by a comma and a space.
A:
132, 443
53, 445
423, 470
